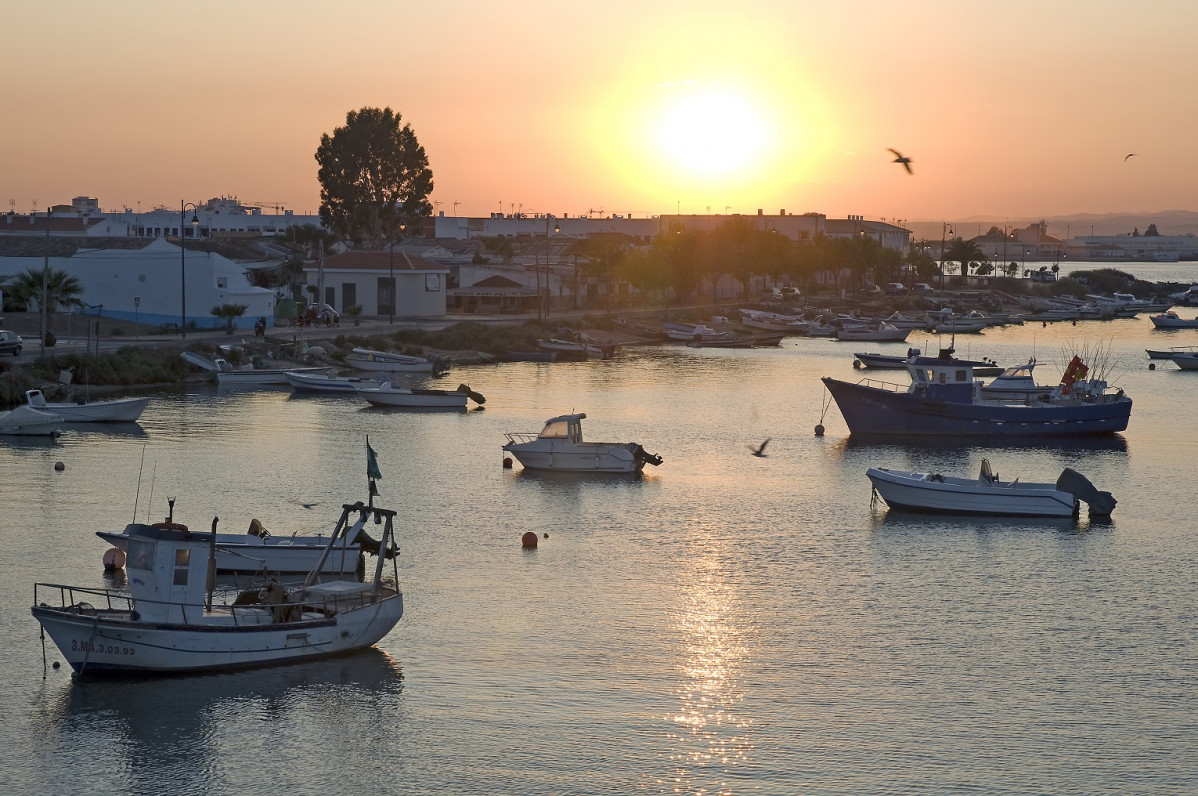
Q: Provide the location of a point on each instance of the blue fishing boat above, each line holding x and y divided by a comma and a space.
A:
944, 399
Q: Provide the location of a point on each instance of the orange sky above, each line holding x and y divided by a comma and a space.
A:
1007, 110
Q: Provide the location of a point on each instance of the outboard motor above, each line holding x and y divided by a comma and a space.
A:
1100, 503
643, 456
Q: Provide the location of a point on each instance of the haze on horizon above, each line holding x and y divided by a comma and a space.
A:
1020, 109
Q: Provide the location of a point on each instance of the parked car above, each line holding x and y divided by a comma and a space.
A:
871, 290
895, 289
10, 343
922, 288
790, 292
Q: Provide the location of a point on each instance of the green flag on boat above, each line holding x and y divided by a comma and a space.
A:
372, 462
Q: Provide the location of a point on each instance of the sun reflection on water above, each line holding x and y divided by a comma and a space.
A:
710, 731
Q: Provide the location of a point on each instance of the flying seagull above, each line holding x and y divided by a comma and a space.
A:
1128, 156
898, 158
760, 449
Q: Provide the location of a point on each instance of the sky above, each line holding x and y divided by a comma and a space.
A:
1025, 108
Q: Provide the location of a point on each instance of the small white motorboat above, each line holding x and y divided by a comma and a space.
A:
1186, 360
1158, 353
259, 552
987, 494
25, 421
323, 382
560, 447
582, 348
116, 410
1014, 384
883, 332
173, 619
372, 360
249, 376
1171, 320
863, 359
386, 394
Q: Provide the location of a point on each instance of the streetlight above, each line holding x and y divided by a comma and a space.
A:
944, 230
541, 310
195, 225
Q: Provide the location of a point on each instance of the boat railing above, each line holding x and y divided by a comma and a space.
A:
68, 597
889, 386
89, 601
521, 437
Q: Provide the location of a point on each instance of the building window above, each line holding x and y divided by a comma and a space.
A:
222, 282
432, 282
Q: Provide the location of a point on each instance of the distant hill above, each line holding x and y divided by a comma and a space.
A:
1168, 222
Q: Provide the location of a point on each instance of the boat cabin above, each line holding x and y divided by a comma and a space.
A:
942, 378
566, 427
168, 571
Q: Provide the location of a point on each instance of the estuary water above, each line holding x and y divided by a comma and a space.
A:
724, 624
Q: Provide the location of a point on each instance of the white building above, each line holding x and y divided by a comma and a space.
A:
384, 283
144, 284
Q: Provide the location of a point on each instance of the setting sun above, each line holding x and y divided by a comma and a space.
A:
711, 131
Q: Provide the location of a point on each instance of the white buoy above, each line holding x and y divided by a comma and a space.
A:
114, 558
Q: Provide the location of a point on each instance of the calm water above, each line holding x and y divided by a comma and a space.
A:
727, 624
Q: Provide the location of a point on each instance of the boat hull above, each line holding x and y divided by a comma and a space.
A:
258, 378
26, 422
874, 411
932, 492
415, 399
103, 641
121, 410
585, 457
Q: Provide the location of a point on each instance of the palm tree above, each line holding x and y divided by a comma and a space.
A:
230, 312
51, 286
965, 252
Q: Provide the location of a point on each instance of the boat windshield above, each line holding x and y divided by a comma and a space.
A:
556, 429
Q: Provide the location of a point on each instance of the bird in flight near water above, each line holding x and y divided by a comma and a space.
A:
1129, 155
898, 158
760, 449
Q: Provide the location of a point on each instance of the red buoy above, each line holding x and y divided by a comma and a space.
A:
528, 540
507, 462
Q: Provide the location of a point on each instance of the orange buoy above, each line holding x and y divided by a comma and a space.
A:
114, 558
529, 540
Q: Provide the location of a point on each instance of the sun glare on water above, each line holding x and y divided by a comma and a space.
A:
711, 132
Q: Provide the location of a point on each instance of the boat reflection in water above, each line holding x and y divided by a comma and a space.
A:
162, 729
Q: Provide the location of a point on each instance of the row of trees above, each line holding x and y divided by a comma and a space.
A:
684, 262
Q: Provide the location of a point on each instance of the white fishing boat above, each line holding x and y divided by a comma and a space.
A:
25, 421
173, 618
386, 394
116, 410
260, 552
987, 494
559, 446
372, 360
